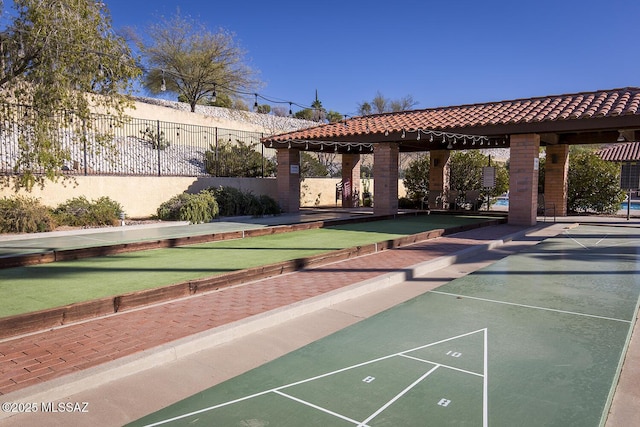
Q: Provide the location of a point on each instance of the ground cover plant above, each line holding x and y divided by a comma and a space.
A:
79, 211
236, 202
27, 289
22, 214
195, 208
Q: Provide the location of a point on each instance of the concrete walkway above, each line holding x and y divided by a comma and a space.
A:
154, 356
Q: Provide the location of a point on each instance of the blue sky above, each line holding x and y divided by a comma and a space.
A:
444, 52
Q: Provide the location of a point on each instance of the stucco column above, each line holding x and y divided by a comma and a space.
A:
350, 180
385, 178
523, 179
438, 178
556, 171
288, 179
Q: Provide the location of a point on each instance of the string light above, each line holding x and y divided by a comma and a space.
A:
214, 96
447, 138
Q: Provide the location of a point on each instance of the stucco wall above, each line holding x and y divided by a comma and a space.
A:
139, 196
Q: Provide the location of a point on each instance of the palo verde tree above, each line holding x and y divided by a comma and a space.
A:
183, 57
60, 61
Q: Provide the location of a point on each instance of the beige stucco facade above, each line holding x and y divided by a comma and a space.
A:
141, 196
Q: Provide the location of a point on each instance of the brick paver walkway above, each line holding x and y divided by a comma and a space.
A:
40, 357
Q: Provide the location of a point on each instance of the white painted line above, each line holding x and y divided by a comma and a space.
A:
327, 374
453, 368
210, 408
319, 408
598, 242
571, 237
531, 306
94, 239
485, 382
398, 396
374, 360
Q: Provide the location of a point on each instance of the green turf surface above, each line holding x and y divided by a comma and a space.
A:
33, 288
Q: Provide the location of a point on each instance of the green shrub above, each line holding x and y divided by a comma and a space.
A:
81, 212
21, 214
195, 208
231, 201
268, 206
235, 202
407, 203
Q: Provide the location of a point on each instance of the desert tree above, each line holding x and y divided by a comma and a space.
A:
381, 104
183, 57
60, 62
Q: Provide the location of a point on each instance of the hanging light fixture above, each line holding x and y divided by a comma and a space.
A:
163, 85
290, 111
214, 96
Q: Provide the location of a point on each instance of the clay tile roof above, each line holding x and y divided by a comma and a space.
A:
473, 117
627, 152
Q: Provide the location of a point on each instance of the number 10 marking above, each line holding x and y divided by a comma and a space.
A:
454, 353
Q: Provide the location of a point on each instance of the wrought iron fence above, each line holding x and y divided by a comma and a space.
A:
139, 147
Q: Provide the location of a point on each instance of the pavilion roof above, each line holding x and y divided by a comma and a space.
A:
601, 113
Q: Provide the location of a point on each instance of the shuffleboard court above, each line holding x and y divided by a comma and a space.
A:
534, 339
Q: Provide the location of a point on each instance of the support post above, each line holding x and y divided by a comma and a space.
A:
288, 179
350, 180
385, 179
556, 173
523, 179
438, 179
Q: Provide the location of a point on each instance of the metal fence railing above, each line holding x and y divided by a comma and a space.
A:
141, 147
